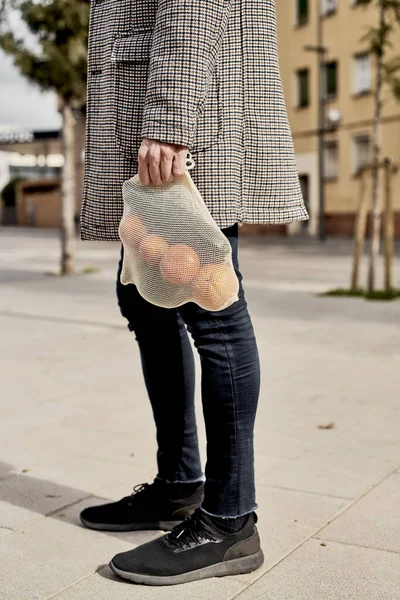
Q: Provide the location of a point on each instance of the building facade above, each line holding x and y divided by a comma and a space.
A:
36, 157
348, 89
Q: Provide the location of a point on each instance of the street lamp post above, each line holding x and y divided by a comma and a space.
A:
321, 128
320, 50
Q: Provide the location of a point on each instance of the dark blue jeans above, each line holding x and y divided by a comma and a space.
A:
230, 383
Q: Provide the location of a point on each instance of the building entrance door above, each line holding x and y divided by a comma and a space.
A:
305, 189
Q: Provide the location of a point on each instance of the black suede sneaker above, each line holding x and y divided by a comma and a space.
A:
151, 506
193, 550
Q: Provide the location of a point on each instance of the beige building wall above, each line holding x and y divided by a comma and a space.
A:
38, 203
342, 32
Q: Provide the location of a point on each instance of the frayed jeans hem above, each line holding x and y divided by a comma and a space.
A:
248, 512
198, 480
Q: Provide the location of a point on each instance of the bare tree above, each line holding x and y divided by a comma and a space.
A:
378, 42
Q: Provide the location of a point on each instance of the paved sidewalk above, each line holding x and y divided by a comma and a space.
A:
76, 428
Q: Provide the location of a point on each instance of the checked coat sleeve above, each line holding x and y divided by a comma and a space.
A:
186, 41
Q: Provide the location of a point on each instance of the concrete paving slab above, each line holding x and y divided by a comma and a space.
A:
344, 467
374, 521
70, 441
80, 408
333, 572
91, 477
71, 515
48, 555
382, 425
4, 531
104, 585
23, 499
274, 448
128, 420
5, 470
130, 448
13, 516
286, 518
295, 400
112, 480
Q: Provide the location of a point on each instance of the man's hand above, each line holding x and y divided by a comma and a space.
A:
160, 162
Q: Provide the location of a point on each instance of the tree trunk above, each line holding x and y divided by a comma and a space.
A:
68, 182
376, 205
389, 227
359, 233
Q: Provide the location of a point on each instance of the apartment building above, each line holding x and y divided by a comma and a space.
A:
347, 85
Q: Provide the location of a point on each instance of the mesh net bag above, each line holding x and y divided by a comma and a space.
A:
174, 252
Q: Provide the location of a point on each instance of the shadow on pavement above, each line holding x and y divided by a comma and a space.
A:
52, 500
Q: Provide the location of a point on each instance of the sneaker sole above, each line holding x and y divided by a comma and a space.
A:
154, 525
237, 566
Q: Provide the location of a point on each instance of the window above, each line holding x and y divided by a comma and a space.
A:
328, 7
361, 73
330, 80
362, 151
301, 12
303, 94
331, 159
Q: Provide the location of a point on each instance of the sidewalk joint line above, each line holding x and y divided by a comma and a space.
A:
54, 512
71, 585
40, 517
310, 449
301, 491
328, 541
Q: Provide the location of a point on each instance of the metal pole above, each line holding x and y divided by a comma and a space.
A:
321, 122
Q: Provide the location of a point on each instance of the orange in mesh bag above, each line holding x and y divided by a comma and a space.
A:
174, 252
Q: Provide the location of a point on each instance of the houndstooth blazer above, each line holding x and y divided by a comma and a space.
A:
202, 73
